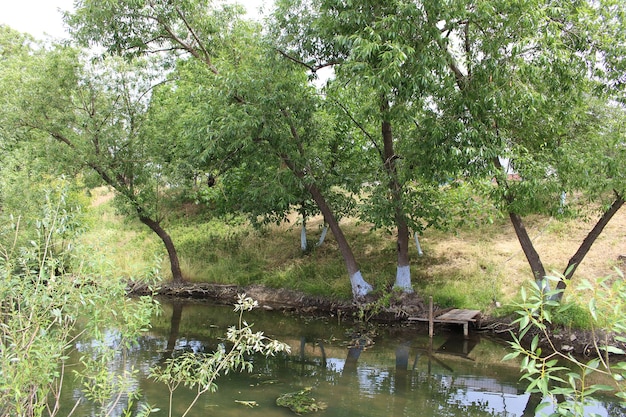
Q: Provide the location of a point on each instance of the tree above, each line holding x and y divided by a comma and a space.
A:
26, 176
208, 36
515, 86
386, 75
90, 115
14, 49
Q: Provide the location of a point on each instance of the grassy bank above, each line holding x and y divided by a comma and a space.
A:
470, 268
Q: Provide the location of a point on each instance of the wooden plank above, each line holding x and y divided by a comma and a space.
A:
457, 315
452, 316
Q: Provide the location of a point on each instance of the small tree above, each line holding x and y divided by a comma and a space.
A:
562, 377
40, 321
199, 371
89, 116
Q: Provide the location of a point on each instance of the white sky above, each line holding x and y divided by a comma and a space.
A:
42, 18
37, 17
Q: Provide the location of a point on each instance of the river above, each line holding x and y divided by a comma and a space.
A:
396, 371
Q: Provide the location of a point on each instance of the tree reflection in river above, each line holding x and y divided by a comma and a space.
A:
402, 374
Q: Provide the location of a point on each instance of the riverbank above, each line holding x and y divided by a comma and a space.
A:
478, 268
393, 310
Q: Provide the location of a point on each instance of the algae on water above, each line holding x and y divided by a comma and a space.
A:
300, 402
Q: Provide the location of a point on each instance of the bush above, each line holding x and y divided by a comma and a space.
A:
545, 371
41, 308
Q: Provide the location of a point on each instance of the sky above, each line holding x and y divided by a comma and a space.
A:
42, 18
37, 17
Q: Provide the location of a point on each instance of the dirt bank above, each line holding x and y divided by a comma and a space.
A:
392, 311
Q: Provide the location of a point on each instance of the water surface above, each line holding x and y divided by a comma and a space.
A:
397, 372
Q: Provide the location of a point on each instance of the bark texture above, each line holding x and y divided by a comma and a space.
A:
395, 189
589, 240
177, 275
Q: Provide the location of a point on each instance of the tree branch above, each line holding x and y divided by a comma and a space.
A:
198, 41
361, 128
311, 68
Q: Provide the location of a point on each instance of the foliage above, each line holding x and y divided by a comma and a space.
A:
42, 315
89, 115
367, 310
28, 219
199, 371
562, 377
251, 108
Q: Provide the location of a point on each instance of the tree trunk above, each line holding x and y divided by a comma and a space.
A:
585, 246
360, 287
403, 272
532, 256
177, 275
303, 242
323, 234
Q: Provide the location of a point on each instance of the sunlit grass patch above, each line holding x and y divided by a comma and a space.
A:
469, 267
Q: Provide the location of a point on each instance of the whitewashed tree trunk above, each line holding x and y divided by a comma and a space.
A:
403, 279
323, 235
303, 237
418, 246
360, 287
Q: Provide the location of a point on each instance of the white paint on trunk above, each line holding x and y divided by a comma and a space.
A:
544, 285
303, 238
562, 201
322, 236
403, 279
418, 246
360, 287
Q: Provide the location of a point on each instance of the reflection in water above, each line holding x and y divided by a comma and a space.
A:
402, 374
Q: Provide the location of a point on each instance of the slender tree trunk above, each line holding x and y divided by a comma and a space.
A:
120, 187
303, 242
585, 246
360, 287
323, 234
403, 272
177, 275
532, 256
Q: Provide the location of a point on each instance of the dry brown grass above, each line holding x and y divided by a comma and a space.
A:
490, 257
101, 195
495, 249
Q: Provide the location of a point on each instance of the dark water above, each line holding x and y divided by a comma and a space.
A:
403, 373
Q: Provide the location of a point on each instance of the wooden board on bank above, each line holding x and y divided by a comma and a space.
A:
454, 316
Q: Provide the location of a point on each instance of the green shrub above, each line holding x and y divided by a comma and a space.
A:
559, 374
41, 308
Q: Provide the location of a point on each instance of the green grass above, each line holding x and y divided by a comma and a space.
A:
466, 268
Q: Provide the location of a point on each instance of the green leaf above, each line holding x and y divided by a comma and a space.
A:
511, 355
534, 343
541, 406
613, 349
598, 387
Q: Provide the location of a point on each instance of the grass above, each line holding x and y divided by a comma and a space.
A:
467, 268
